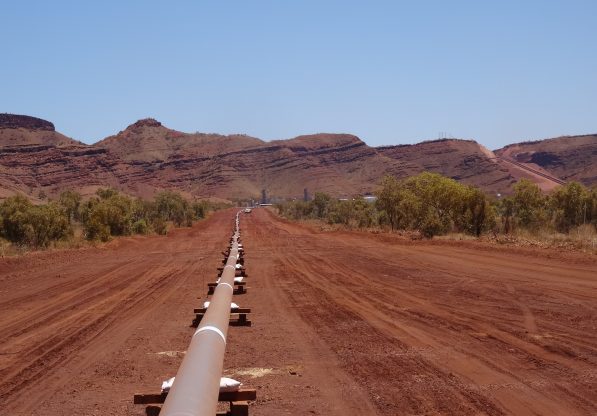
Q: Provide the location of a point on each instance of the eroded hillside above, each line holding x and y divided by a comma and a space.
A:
147, 157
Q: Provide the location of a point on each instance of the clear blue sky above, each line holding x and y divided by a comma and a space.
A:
388, 71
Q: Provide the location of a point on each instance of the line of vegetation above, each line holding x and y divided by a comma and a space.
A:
99, 218
436, 205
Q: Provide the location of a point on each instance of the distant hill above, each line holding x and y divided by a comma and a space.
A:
17, 130
464, 160
570, 158
147, 140
147, 157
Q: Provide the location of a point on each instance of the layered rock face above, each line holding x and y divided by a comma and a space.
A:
35, 158
148, 141
17, 130
569, 158
338, 164
15, 121
147, 157
464, 160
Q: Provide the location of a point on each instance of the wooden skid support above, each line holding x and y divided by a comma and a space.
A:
240, 260
237, 310
236, 409
237, 273
238, 290
214, 284
239, 408
241, 270
237, 318
229, 396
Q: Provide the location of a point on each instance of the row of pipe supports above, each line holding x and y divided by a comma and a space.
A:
196, 386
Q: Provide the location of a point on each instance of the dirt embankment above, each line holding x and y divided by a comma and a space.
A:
343, 323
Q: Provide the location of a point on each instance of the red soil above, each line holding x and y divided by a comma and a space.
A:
343, 323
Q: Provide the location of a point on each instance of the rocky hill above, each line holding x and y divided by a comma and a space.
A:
463, 160
568, 158
147, 157
18, 130
148, 141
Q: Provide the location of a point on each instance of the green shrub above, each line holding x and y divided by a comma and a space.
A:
102, 217
199, 209
572, 206
428, 202
159, 226
70, 202
47, 223
23, 223
529, 205
140, 227
14, 212
108, 216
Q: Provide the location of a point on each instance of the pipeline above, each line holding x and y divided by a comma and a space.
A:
196, 386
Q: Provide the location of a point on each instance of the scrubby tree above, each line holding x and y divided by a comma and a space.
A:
430, 203
199, 209
440, 202
47, 223
108, 217
529, 204
14, 213
364, 213
106, 193
572, 206
505, 208
103, 216
389, 198
173, 207
339, 212
34, 225
320, 204
71, 202
592, 207
479, 215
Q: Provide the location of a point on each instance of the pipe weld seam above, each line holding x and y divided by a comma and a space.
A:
213, 329
227, 284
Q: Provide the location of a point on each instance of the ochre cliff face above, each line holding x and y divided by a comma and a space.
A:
341, 165
31, 169
463, 160
571, 158
148, 141
15, 121
147, 157
16, 130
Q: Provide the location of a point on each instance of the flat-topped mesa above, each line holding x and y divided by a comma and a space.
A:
15, 121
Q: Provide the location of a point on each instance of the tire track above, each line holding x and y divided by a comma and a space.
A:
76, 326
469, 332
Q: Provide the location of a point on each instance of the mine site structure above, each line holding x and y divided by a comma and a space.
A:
197, 387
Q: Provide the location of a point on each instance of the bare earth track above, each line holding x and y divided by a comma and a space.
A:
343, 323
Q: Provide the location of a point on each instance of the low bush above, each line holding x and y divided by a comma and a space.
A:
435, 205
107, 214
25, 224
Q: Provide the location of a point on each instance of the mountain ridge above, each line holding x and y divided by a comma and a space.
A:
147, 157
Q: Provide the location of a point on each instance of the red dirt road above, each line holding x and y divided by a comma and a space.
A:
343, 323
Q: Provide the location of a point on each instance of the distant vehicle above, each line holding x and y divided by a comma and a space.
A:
247, 210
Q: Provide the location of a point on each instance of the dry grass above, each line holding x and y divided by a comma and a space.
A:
7, 249
456, 237
582, 238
